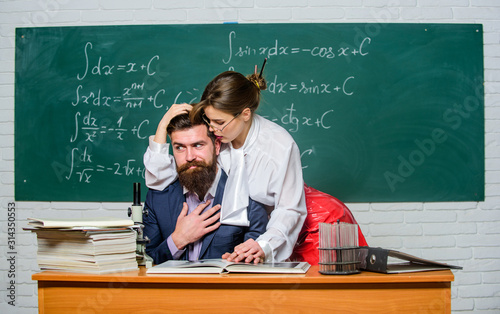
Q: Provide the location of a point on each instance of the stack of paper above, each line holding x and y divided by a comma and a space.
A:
90, 246
98, 222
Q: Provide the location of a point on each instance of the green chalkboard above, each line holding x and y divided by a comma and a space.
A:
381, 112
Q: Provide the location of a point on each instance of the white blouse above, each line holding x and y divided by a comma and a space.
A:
273, 173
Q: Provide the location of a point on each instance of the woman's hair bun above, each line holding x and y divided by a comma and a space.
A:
258, 81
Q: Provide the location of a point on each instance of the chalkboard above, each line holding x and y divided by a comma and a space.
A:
381, 112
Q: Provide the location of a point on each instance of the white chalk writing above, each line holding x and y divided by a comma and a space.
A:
275, 49
104, 115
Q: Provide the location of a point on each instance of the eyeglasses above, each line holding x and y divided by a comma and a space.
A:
207, 121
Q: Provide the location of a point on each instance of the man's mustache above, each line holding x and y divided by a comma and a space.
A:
195, 163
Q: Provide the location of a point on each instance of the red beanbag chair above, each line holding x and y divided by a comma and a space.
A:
321, 207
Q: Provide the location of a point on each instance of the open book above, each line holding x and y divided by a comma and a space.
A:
219, 266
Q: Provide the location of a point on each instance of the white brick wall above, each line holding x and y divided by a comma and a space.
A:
466, 234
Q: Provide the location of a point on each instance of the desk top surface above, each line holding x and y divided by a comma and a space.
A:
311, 277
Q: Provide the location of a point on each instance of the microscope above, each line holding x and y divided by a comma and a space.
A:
136, 211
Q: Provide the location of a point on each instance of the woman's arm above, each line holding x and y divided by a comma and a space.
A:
160, 165
287, 186
289, 212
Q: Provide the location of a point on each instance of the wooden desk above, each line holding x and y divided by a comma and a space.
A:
137, 292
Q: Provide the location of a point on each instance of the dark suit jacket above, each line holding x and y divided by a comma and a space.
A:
165, 206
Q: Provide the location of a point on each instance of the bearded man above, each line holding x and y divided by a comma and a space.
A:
182, 221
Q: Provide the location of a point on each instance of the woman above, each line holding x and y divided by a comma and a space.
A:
261, 158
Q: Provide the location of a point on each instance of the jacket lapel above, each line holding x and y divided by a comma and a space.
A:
185, 256
217, 200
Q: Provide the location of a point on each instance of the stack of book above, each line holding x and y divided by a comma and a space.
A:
97, 245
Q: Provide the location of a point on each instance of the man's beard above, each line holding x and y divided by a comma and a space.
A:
199, 179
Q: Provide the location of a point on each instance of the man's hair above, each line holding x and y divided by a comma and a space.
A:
183, 122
